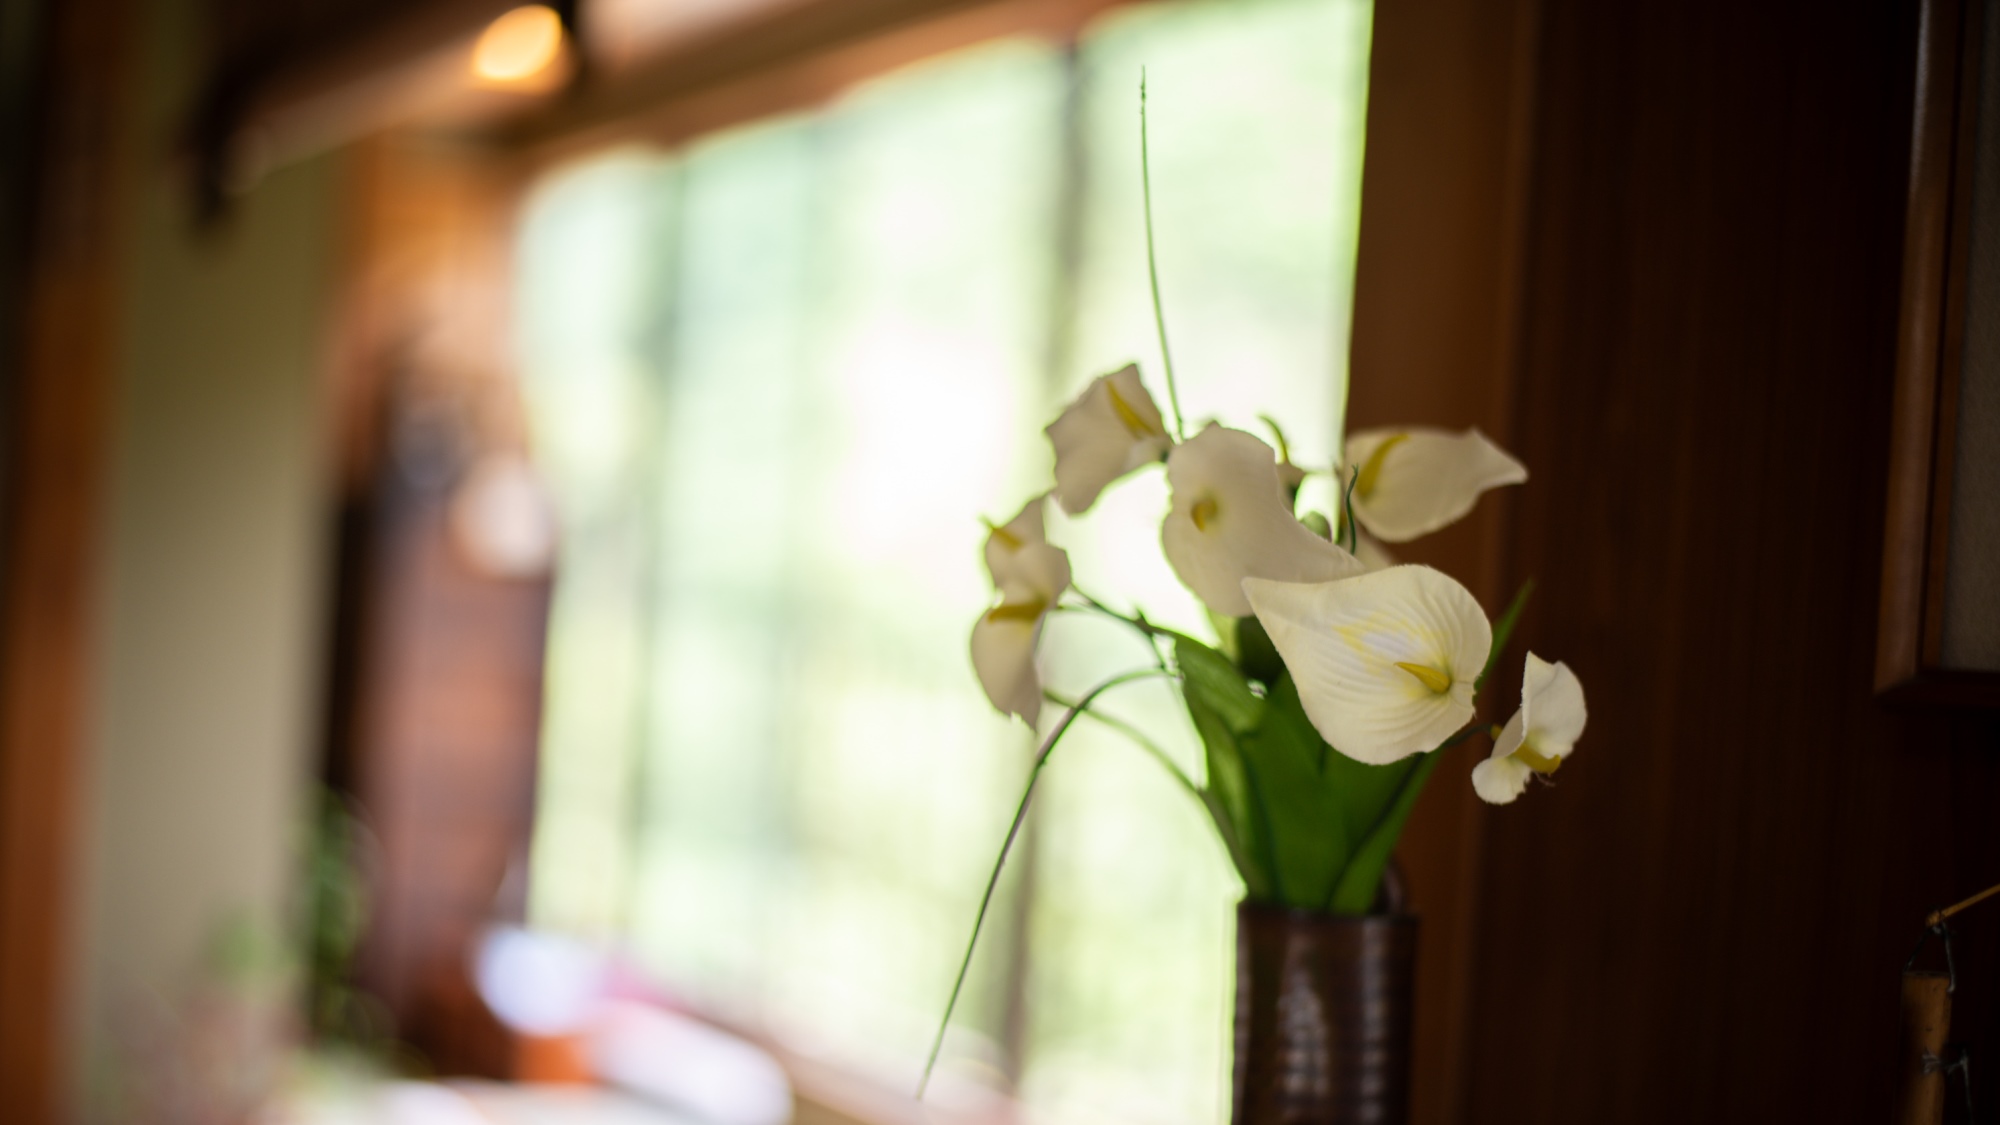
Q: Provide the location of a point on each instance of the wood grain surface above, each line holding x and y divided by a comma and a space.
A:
1705, 918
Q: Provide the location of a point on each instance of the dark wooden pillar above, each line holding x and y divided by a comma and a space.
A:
64, 106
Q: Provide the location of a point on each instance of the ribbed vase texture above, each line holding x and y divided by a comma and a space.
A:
1323, 1007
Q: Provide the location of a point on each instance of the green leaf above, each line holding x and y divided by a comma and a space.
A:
1211, 676
1503, 630
1309, 839
1225, 632
1229, 787
1355, 893
1363, 791
1224, 709
1257, 656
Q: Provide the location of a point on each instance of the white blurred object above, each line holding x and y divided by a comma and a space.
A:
503, 519
539, 983
686, 1063
424, 1103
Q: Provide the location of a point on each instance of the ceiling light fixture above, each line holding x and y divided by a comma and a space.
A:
518, 45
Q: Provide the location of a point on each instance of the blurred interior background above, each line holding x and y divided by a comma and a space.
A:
489, 519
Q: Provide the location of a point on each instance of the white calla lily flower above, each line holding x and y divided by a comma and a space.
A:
1111, 429
1412, 482
1030, 575
1003, 655
1019, 557
1539, 736
1231, 520
1385, 663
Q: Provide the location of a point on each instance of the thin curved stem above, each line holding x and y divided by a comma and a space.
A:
1013, 832
1098, 605
1145, 634
1139, 739
1139, 623
1153, 264
1223, 827
1352, 529
1470, 729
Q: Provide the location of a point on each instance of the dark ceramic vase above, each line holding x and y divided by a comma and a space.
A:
1323, 1008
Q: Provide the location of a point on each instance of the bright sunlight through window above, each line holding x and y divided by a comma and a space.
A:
774, 378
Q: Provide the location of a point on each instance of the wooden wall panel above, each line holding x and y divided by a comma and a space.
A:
1704, 919
1435, 308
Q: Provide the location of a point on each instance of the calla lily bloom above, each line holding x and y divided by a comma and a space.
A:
1412, 482
1018, 554
1030, 575
1230, 521
1385, 663
1111, 429
1539, 736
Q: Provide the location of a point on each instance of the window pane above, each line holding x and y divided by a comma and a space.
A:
775, 378
842, 364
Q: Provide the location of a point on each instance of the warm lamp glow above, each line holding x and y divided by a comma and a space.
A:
518, 44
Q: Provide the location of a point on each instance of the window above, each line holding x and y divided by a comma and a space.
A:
774, 377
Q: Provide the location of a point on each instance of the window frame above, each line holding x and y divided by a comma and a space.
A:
1450, 130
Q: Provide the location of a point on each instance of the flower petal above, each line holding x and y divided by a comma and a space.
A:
1369, 655
1414, 481
1552, 707
1372, 553
1498, 781
1111, 429
1003, 655
1511, 736
1023, 564
1230, 521
1006, 540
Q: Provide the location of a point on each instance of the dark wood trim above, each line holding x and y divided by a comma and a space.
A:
1930, 346
55, 439
288, 89
794, 56
269, 103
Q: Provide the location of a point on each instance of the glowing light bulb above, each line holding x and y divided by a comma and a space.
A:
518, 45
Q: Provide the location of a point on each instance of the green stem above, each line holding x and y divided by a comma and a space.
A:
1013, 832
1138, 738
1503, 631
1470, 729
1138, 623
1147, 632
1416, 777
1153, 263
1352, 529
1209, 804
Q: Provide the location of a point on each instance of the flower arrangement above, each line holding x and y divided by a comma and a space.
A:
1340, 676
1336, 682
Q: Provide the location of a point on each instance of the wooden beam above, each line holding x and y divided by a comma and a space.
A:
790, 57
